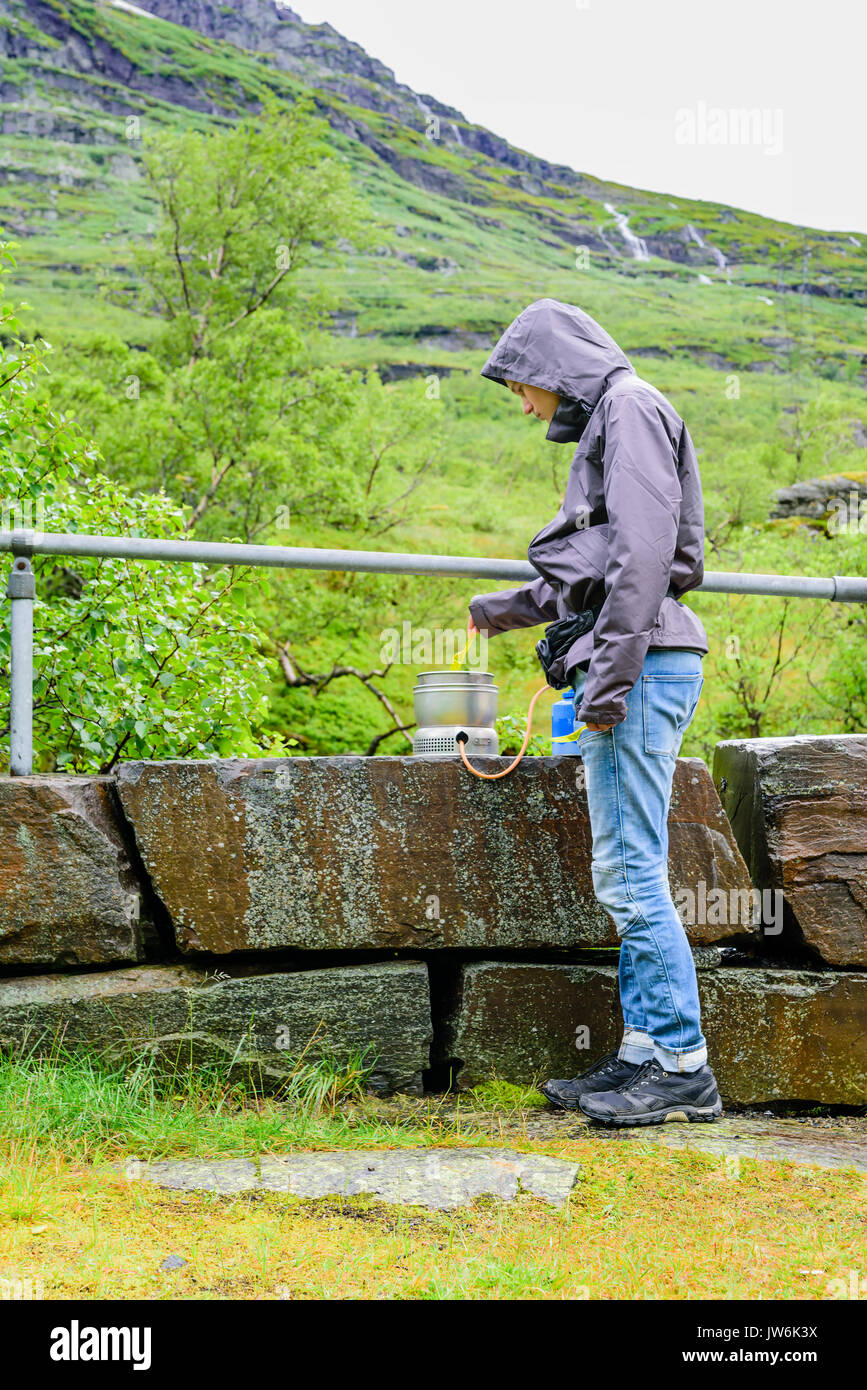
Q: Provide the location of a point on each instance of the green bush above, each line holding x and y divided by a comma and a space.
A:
131, 659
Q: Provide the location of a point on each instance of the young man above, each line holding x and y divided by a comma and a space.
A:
629, 537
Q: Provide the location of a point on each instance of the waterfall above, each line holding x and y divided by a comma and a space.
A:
699, 240
635, 244
131, 9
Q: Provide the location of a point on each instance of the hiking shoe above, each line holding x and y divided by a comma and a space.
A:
605, 1075
654, 1096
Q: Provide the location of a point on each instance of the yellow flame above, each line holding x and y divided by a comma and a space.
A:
568, 738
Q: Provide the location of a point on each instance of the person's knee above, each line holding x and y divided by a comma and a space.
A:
612, 890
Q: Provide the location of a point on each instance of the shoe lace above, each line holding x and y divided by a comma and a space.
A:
647, 1072
605, 1063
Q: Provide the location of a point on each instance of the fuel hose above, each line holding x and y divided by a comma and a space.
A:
493, 776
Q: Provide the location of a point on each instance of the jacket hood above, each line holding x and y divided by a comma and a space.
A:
559, 348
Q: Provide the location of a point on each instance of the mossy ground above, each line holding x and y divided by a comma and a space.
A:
643, 1222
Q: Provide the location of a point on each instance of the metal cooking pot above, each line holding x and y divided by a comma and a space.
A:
455, 697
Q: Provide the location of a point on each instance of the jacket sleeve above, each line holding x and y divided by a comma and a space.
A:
642, 498
533, 603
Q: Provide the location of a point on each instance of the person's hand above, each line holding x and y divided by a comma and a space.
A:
471, 628
598, 728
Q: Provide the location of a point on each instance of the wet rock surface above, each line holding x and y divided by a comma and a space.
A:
824, 1141
351, 853
756, 1136
68, 892
772, 1034
837, 496
435, 1178
322, 858
258, 1024
798, 808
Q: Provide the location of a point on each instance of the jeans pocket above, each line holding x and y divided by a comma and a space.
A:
588, 735
668, 703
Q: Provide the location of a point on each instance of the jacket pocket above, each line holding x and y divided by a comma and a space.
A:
668, 703
574, 562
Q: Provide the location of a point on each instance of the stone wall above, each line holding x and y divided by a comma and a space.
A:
355, 853
772, 1033
798, 807
240, 911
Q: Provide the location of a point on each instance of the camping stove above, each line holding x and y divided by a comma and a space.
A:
449, 703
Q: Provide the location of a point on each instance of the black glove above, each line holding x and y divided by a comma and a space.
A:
560, 636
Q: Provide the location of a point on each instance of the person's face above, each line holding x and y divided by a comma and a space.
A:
536, 401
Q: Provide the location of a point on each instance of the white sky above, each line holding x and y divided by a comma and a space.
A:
601, 85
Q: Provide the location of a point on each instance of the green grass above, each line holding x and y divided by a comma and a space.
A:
504, 1095
643, 1222
89, 1109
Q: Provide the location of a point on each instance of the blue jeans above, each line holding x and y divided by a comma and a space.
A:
628, 774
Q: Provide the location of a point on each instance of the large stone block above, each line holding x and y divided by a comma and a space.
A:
68, 892
772, 1034
352, 853
798, 808
257, 1023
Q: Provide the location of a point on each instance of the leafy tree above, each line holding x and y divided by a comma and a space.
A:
839, 687
242, 212
234, 410
131, 659
779, 666
816, 438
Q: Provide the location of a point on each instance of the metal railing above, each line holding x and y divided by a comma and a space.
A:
21, 590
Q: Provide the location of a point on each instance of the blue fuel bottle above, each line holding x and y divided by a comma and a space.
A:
562, 724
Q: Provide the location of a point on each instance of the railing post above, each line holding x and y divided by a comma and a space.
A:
21, 591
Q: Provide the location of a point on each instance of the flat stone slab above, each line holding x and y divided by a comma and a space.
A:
773, 1035
255, 1023
798, 808
350, 853
436, 1178
758, 1136
821, 1140
68, 892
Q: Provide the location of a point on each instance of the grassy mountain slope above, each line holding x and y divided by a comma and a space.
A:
743, 321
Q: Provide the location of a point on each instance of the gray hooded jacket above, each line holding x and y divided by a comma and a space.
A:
631, 526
